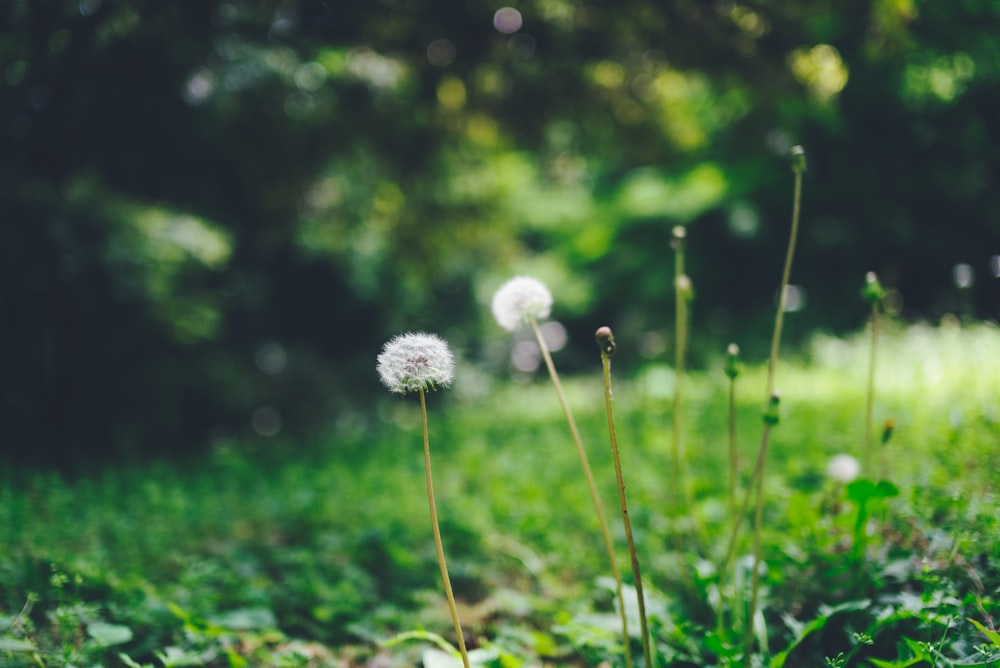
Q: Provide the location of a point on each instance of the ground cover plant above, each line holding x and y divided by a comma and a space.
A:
318, 555
314, 555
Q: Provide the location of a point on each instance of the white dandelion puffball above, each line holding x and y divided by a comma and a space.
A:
843, 468
519, 300
416, 361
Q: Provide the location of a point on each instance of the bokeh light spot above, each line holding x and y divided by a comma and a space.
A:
821, 69
271, 359
198, 87
310, 77
555, 335
522, 45
88, 7
14, 74
744, 221
795, 298
441, 53
266, 421
525, 356
507, 20
963, 275
451, 93
995, 266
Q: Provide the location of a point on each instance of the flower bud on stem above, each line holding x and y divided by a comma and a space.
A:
606, 341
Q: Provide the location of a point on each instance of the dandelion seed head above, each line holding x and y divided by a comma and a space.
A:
519, 300
843, 468
415, 361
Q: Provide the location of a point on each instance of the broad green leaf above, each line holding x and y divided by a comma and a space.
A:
177, 656
422, 635
8, 644
435, 658
878, 663
245, 619
109, 635
802, 631
132, 663
993, 636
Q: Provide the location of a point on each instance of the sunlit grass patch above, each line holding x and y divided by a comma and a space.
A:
327, 543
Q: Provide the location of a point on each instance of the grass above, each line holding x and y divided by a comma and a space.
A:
311, 555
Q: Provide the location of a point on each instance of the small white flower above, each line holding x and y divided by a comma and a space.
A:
519, 300
843, 468
416, 361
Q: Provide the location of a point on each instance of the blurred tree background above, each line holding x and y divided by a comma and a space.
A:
214, 213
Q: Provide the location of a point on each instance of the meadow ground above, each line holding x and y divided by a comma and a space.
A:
316, 554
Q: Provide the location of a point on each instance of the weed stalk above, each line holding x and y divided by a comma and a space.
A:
682, 295
732, 373
771, 402
437, 536
873, 292
588, 474
606, 342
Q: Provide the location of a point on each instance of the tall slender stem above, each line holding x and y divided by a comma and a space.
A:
755, 576
732, 372
437, 536
798, 168
745, 505
772, 362
870, 400
682, 290
598, 508
647, 650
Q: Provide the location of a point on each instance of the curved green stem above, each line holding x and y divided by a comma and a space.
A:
798, 168
598, 508
437, 537
626, 520
870, 400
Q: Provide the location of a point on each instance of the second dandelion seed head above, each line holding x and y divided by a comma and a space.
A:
520, 300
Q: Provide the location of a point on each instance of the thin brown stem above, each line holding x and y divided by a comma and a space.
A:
733, 454
437, 536
870, 400
682, 287
626, 520
595, 497
798, 168
772, 362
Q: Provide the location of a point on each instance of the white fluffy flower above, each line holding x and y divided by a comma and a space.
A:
843, 468
416, 361
520, 299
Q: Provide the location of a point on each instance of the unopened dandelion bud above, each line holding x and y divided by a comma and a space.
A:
771, 415
520, 300
798, 155
732, 361
873, 290
606, 340
414, 362
887, 429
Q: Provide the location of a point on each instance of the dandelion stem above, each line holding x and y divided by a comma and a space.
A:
772, 363
682, 292
798, 168
606, 350
732, 372
598, 508
437, 536
870, 400
873, 292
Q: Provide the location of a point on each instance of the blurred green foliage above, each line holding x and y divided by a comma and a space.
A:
214, 212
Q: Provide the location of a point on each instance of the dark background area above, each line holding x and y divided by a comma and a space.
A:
214, 213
